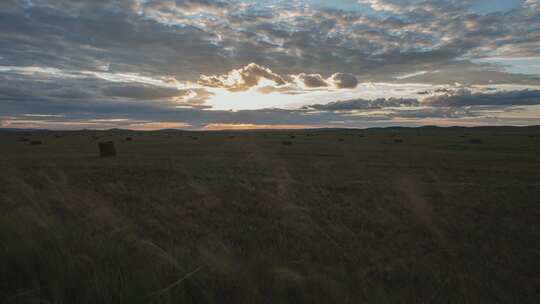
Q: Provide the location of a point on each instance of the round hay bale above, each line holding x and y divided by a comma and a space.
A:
107, 149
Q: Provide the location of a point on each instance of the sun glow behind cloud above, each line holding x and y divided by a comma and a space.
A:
248, 100
233, 126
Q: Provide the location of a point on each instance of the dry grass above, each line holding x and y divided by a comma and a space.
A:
173, 220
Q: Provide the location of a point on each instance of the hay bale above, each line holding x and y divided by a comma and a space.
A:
475, 141
107, 149
36, 142
286, 143
398, 140
341, 139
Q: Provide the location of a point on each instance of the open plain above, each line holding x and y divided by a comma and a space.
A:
395, 215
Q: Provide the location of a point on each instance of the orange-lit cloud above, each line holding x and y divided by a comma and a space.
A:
243, 79
267, 81
232, 126
311, 80
152, 126
344, 80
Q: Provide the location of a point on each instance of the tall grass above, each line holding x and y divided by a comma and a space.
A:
253, 221
59, 246
51, 253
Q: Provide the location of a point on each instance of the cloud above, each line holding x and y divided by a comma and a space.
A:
150, 126
444, 90
202, 4
144, 59
311, 80
465, 97
71, 91
400, 77
532, 4
251, 126
344, 80
242, 79
139, 92
185, 6
389, 6
337, 80
363, 104
459, 109
187, 38
451, 99
267, 81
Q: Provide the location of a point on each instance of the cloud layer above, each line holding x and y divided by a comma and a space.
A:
129, 62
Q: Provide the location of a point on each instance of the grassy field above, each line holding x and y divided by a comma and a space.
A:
426, 215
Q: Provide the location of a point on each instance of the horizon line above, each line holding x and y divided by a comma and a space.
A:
4, 129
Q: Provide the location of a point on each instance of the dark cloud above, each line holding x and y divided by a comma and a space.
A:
96, 35
367, 113
443, 90
139, 92
86, 91
312, 80
453, 99
465, 97
242, 79
362, 104
187, 38
344, 81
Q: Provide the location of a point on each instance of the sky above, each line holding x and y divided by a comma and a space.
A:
233, 64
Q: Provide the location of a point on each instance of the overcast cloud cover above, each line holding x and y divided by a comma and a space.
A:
71, 64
